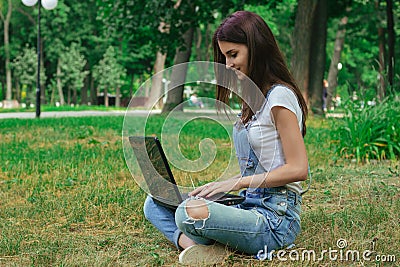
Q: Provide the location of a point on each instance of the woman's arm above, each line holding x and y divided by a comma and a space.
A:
296, 165
295, 168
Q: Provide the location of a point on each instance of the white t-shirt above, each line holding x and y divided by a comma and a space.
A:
263, 136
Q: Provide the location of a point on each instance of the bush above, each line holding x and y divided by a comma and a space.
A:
368, 132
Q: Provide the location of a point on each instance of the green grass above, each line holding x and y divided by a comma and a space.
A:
67, 197
369, 133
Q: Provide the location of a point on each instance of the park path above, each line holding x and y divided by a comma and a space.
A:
58, 114
87, 113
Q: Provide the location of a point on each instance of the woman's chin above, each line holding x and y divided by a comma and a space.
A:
241, 76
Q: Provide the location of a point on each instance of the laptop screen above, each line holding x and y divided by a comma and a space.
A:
155, 169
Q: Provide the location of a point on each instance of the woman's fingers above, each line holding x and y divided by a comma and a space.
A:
203, 190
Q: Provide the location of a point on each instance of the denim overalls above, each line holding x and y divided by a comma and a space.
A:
269, 218
280, 206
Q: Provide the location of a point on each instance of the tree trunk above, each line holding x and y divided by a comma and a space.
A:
75, 96
53, 95
131, 85
118, 97
93, 91
318, 56
84, 95
84, 90
199, 40
156, 90
42, 83
69, 96
381, 86
59, 86
391, 42
178, 75
203, 48
333, 68
381, 90
302, 44
17, 91
6, 21
105, 97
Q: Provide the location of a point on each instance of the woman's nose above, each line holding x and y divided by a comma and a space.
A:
229, 64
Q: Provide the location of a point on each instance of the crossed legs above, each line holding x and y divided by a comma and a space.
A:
164, 220
196, 209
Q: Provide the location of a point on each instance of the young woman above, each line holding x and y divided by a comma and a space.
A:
268, 139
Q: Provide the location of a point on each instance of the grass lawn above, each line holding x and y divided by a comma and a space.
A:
67, 198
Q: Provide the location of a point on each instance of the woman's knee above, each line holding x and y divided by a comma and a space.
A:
197, 209
191, 211
147, 207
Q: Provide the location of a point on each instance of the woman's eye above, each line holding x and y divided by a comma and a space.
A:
234, 55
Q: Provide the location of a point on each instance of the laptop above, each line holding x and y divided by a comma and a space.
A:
159, 178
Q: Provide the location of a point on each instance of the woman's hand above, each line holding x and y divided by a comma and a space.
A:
213, 188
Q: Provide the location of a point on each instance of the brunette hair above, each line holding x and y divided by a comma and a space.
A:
266, 64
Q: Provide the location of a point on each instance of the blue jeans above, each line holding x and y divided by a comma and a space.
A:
163, 219
269, 218
271, 222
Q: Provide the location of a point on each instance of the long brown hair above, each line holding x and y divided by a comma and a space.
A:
266, 64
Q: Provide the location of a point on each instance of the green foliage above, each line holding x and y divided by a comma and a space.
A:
58, 29
133, 27
360, 55
25, 66
120, 18
72, 67
25, 72
109, 74
278, 15
368, 132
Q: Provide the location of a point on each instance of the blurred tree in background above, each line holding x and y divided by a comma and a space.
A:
110, 75
152, 35
72, 73
25, 73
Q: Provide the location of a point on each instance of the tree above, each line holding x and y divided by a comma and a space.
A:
161, 56
302, 43
6, 22
333, 69
132, 28
381, 58
318, 56
391, 41
364, 56
72, 73
109, 75
25, 70
186, 20
71, 22
178, 75
189, 15
55, 38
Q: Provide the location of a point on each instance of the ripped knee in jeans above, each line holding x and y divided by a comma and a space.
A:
197, 210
